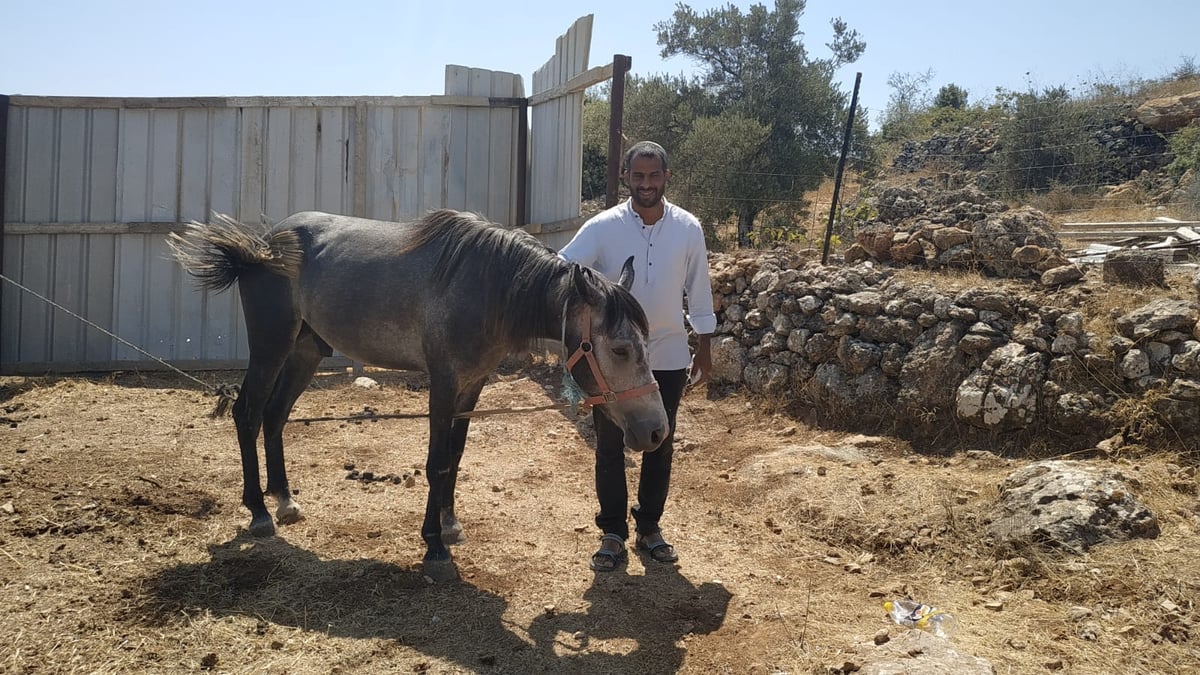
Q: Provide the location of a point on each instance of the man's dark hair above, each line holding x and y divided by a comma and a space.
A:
645, 149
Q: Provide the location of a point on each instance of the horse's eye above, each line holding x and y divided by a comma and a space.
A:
621, 352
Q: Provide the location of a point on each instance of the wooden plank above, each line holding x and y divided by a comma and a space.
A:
194, 166
164, 165
146, 103
163, 310
129, 318
34, 322
277, 163
223, 157
133, 159
94, 228
70, 165
11, 300
575, 85
100, 272
1133, 224
103, 166
458, 82
501, 206
381, 164
435, 157
13, 189
1187, 234
303, 184
332, 162
478, 149
38, 199
67, 256
359, 163
408, 163
253, 178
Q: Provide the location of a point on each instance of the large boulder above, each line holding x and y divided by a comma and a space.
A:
1159, 316
1135, 268
1170, 113
1069, 505
1002, 395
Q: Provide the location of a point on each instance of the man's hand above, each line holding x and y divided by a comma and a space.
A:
701, 361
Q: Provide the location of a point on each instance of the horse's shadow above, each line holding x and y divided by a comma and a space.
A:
285, 585
632, 624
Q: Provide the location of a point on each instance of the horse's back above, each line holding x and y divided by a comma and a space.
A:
360, 289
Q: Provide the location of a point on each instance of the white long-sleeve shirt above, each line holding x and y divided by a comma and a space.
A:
669, 260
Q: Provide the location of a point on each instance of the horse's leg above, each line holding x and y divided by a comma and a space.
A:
439, 467
452, 531
271, 327
293, 380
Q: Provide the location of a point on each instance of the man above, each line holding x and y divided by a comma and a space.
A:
667, 244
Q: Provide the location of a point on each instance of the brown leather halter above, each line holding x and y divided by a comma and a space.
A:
586, 351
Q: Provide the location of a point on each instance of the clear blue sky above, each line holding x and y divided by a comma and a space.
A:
381, 47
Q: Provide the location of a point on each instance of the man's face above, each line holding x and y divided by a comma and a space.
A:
646, 181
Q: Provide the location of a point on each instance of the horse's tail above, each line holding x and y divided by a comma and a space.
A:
217, 253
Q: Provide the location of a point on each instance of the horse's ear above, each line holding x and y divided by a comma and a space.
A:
579, 280
626, 279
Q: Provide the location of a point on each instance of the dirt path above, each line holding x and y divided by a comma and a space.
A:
121, 547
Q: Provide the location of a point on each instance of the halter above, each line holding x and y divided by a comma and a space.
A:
586, 351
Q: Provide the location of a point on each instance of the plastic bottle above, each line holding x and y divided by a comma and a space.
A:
924, 617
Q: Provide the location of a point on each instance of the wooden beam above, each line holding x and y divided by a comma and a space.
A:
94, 228
574, 85
246, 101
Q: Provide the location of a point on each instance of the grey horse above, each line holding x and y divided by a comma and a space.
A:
450, 295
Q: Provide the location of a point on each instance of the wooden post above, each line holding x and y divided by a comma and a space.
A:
841, 165
616, 102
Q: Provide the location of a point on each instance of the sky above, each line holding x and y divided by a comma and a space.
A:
400, 48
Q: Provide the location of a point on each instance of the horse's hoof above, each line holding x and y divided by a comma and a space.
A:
262, 527
289, 513
453, 535
440, 570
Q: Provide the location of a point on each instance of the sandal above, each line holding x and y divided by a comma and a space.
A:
658, 549
607, 559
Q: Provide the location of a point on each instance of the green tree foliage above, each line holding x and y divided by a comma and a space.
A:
901, 118
1047, 141
1185, 147
951, 96
757, 76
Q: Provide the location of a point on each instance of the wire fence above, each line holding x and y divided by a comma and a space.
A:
1090, 165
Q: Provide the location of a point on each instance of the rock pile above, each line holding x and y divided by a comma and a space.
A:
861, 346
960, 229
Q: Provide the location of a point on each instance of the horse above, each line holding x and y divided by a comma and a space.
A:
450, 295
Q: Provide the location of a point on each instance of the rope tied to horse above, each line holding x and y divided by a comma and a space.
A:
226, 394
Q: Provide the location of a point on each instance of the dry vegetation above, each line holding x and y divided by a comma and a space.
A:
122, 549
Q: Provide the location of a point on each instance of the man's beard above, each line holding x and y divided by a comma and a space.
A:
648, 202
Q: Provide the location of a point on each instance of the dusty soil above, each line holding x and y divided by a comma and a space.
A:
122, 545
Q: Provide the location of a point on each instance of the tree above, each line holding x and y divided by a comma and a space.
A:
951, 96
758, 78
909, 97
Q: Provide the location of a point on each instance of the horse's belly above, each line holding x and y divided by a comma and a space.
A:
372, 342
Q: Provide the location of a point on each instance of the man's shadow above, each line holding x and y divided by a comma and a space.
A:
636, 624
282, 584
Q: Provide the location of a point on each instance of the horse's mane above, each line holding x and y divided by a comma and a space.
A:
513, 273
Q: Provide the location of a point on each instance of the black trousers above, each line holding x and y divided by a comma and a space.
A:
655, 477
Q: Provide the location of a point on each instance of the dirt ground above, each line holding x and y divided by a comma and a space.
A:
122, 545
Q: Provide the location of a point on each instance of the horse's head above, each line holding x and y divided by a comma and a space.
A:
606, 333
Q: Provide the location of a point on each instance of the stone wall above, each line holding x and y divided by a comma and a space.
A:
863, 347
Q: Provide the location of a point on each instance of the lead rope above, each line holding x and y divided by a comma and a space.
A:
572, 393
226, 394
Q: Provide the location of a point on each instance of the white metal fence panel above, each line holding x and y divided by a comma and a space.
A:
93, 187
556, 155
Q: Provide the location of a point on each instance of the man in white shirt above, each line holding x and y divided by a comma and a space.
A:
670, 260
